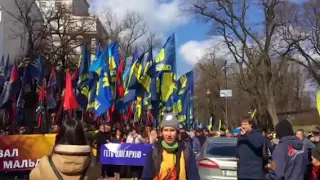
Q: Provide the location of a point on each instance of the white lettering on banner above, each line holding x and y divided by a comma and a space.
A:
31, 163
20, 164
122, 154
7, 153
7, 164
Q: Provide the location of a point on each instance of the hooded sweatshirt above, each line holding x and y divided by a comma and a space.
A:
71, 161
287, 160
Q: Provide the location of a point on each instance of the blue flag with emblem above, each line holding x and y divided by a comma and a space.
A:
36, 69
130, 95
164, 65
82, 91
103, 100
94, 77
185, 101
113, 59
97, 64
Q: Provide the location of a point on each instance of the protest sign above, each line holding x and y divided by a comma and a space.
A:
23, 152
124, 154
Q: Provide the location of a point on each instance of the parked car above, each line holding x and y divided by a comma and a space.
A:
217, 159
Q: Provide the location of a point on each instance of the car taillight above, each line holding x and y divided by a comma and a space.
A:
207, 163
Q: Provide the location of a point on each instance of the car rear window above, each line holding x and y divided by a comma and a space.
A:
221, 149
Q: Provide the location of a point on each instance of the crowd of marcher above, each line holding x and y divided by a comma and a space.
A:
294, 157
284, 154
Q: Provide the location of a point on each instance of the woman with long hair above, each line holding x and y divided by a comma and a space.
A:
70, 158
118, 138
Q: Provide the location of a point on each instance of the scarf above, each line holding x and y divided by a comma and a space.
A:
170, 148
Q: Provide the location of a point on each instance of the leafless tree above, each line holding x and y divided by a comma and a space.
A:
29, 26
131, 32
56, 33
302, 36
66, 34
210, 80
249, 46
289, 91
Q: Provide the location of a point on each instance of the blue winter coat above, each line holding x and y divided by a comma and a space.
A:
249, 152
288, 160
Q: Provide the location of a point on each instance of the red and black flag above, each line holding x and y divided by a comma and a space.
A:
11, 87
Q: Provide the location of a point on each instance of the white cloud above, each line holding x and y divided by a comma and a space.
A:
161, 16
193, 51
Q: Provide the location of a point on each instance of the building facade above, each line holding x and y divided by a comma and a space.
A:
15, 17
80, 26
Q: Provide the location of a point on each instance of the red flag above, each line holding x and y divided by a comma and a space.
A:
130, 112
69, 98
42, 94
14, 74
10, 88
120, 89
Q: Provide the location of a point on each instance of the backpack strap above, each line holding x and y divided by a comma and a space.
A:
54, 168
156, 158
177, 165
186, 155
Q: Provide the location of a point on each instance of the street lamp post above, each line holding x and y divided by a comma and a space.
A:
226, 87
208, 93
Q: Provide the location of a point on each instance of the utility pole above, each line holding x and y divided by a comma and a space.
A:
226, 98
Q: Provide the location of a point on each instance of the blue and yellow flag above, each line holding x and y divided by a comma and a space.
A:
129, 78
164, 65
93, 79
97, 64
147, 98
185, 101
113, 59
82, 91
103, 100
